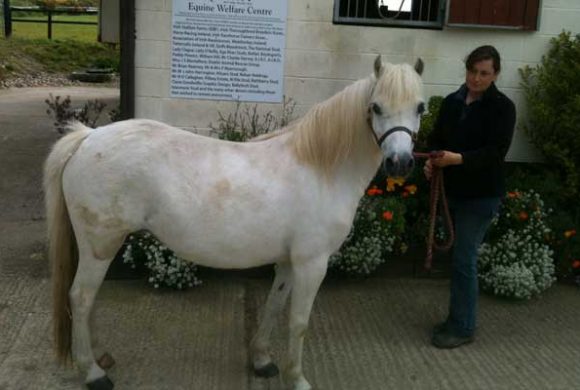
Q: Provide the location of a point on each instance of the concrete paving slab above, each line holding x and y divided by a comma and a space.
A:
363, 335
160, 340
374, 334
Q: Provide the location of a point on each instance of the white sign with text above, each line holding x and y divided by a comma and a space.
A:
228, 49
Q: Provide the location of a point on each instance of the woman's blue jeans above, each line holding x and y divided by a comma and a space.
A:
472, 218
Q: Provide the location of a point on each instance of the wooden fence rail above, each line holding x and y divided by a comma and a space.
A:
49, 12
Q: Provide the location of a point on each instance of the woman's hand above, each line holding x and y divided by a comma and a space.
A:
428, 169
446, 158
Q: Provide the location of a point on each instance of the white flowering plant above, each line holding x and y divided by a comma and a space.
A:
164, 268
376, 232
516, 260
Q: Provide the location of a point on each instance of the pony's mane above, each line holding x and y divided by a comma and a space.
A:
398, 86
330, 131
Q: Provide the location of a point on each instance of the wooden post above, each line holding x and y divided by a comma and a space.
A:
49, 24
127, 19
7, 19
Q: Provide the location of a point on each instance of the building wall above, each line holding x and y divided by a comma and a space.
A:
322, 58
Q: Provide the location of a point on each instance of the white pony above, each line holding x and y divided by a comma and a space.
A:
287, 198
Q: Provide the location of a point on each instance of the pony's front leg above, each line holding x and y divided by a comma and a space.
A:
307, 276
260, 346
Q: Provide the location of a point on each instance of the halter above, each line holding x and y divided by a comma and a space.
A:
388, 132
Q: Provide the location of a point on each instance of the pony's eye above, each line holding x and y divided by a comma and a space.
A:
421, 108
377, 109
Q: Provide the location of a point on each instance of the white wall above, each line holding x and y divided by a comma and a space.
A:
322, 58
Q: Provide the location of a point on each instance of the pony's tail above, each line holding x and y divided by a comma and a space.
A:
62, 246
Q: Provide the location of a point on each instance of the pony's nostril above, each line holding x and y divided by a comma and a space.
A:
389, 163
411, 163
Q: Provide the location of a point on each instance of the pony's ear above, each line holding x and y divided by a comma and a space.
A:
378, 67
419, 66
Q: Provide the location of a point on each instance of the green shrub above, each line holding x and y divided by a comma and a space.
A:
428, 121
553, 102
104, 62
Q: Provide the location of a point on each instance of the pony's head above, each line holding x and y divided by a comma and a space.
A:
395, 109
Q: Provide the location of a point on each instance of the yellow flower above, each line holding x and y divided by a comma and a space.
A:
392, 181
411, 189
570, 233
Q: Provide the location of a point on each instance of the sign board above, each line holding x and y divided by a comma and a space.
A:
228, 49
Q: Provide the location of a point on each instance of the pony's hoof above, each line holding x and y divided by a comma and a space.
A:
106, 361
268, 371
103, 383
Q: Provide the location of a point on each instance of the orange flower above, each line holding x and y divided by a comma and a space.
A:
513, 194
388, 215
576, 264
374, 191
570, 233
392, 181
405, 194
411, 189
523, 215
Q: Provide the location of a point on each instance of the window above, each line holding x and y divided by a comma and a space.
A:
515, 14
396, 13
510, 14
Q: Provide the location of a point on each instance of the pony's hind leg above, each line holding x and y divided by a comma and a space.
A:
89, 277
260, 346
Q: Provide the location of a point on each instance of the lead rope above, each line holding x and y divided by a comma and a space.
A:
437, 199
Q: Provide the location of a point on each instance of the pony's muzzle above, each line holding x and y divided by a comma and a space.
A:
399, 164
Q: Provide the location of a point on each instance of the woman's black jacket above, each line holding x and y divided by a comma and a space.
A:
482, 132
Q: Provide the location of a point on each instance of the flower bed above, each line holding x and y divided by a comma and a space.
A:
164, 268
516, 261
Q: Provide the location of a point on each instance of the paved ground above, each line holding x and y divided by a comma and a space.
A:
368, 335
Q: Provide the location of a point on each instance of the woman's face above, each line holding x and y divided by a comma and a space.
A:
480, 76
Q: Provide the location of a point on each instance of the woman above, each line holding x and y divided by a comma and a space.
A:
474, 130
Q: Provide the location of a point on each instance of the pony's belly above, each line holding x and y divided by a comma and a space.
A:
230, 257
234, 237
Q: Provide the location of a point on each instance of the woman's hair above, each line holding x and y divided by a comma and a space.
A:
483, 53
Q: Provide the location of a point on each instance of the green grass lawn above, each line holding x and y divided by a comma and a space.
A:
84, 33
72, 47
23, 55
